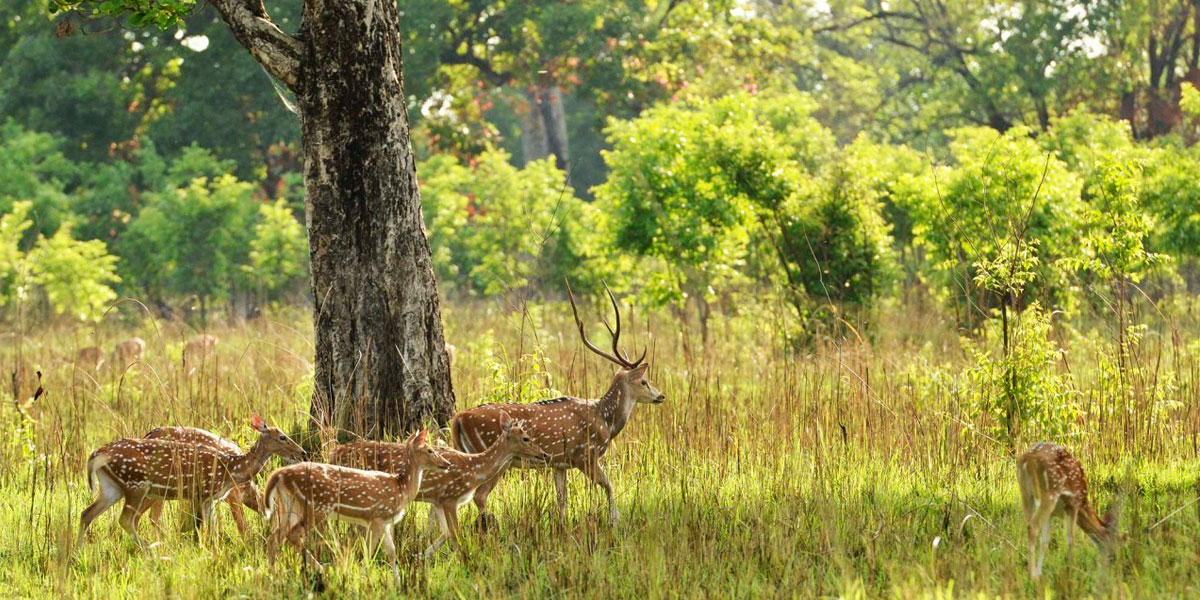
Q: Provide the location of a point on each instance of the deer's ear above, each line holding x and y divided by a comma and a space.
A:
421, 437
257, 424
639, 371
506, 422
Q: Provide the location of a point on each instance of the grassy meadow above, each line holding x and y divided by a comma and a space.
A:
849, 469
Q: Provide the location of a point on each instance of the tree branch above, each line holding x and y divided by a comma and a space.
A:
452, 57
278, 52
883, 14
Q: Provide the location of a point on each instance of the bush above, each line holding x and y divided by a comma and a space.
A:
494, 227
279, 250
1017, 391
1003, 190
73, 276
191, 240
747, 188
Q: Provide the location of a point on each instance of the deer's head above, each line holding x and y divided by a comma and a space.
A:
518, 442
275, 441
632, 373
423, 456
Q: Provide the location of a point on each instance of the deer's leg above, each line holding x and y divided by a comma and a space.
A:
560, 487
202, 510
437, 520
109, 494
389, 550
451, 516
481, 496
1040, 527
600, 478
155, 508
1069, 522
239, 518
134, 506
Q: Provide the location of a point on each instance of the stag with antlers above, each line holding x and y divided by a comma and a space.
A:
573, 432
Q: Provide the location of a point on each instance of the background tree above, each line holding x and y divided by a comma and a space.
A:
380, 361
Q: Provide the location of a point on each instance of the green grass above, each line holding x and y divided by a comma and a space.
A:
847, 470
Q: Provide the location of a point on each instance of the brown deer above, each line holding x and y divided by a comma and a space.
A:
445, 490
300, 498
245, 494
89, 359
142, 471
574, 432
1052, 484
128, 352
197, 350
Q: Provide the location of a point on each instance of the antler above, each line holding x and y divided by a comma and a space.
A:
618, 357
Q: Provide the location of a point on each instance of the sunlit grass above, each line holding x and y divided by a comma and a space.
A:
841, 471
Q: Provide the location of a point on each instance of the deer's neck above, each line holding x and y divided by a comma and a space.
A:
411, 483
615, 408
492, 459
244, 467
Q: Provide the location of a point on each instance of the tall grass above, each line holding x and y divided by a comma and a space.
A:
849, 468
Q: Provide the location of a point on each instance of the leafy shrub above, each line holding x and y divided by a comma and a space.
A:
33, 169
494, 227
278, 250
721, 193
1020, 395
73, 276
1003, 188
191, 240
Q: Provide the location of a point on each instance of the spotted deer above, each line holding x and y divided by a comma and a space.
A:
300, 498
128, 352
197, 351
574, 432
142, 471
445, 490
89, 359
246, 494
1052, 484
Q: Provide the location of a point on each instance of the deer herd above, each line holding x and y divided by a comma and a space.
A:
371, 483
129, 352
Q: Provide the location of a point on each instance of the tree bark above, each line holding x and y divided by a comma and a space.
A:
544, 127
381, 366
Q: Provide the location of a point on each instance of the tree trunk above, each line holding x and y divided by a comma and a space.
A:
535, 144
555, 119
544, 127
381, 364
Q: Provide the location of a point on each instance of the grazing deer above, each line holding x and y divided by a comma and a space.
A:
197, 350
89, 359
128, 352
301, 497
574, 432
245, 494
1052, 484
142, 471
445, 490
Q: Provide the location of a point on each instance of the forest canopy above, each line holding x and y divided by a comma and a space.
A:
824, 155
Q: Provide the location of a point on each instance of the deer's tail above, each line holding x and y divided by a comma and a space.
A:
457, 438
269, 496
95, 463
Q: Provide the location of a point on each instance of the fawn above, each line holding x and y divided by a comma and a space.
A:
245, 494
301, 497
128, 352
446, 490
1052, 484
